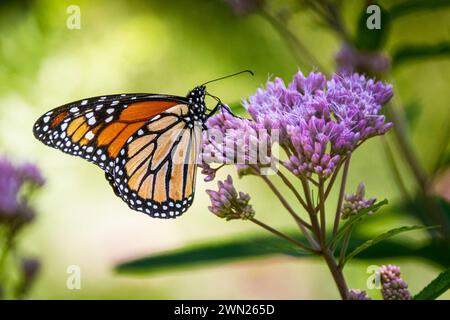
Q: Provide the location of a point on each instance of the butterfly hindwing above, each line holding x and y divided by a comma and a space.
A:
155, 171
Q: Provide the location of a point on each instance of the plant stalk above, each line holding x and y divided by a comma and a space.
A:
337, 216
282, 235
336, 272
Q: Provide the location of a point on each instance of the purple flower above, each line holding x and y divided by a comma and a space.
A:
241, 7
318, 122
30, 268
356, 294
311, 141
209, 172
30, 172
13, 198
350, 59
356, 102
393, 286
233, 140
228, 203
355, 202
10, 184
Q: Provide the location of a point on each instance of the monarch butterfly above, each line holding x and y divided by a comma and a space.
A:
147, 144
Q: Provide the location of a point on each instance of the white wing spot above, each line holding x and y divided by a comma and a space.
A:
89, 135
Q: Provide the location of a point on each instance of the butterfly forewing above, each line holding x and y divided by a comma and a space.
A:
96, 128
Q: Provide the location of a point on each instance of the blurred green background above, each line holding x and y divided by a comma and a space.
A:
169, 47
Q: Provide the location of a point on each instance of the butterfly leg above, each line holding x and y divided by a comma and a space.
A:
214, 110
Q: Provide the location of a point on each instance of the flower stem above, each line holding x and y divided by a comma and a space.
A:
323, 224
274, 189
336, 272
300, 222
331, 183
290, 186
299, 50
7, 245
337, 216
442, 151
282, 235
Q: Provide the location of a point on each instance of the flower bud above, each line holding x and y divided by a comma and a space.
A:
227, 203
393, 286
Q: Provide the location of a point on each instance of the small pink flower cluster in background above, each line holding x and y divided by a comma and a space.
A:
242, 7
393, 286
350, 59
356, 294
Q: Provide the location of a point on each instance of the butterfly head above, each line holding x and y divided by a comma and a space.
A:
197, 94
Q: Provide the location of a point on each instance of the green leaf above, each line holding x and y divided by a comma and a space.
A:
409, 53
414, 6
435, 288
357, 218
372, 40
380, 238
254, 247
211, 253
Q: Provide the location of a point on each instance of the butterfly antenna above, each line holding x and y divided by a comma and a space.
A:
229, 76
214, 97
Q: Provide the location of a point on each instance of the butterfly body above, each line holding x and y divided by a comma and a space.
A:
147, 144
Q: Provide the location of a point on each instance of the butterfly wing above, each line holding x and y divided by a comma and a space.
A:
155, 171
134, 138
97, 128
